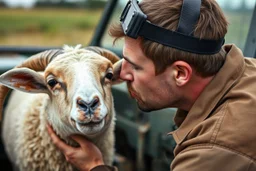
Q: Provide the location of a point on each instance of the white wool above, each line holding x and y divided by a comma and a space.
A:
68, 48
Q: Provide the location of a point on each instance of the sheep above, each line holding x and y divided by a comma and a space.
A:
68, 88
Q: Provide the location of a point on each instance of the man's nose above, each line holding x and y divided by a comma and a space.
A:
125, 73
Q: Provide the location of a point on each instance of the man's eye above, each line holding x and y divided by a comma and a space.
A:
109, 76
52, 83
135, 67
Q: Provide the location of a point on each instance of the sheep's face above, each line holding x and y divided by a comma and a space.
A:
80, 89
78, 83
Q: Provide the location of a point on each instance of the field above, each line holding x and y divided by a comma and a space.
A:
47, 27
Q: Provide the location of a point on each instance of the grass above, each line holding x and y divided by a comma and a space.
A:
60, 26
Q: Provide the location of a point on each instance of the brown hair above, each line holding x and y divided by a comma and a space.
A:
212, 24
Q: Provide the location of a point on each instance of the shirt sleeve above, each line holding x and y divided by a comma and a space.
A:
104, 168
211, 159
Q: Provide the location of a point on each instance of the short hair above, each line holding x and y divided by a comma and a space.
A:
212, 24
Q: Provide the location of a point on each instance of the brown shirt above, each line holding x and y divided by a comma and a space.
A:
219, 132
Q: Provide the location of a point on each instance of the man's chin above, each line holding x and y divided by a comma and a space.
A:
144, 108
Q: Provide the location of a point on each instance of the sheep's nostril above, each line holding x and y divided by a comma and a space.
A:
82, 104
88, 107
94, 103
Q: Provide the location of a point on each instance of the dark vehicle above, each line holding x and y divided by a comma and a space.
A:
141, 138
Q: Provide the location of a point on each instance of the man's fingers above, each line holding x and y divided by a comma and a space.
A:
57, 141
80, 139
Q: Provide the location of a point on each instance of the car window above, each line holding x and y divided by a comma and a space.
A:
107, 41
48, 23
238, 13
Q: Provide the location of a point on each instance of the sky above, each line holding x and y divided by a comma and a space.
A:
19, 3
30, 3
237, 3
26, 3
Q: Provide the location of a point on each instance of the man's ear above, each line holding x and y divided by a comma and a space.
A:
24, 79
182, 72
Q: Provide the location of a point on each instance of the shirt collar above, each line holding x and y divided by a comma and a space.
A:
211, 95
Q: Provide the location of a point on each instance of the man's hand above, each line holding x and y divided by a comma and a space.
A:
85, 157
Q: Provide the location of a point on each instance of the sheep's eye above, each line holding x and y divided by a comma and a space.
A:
109, 76
52, 82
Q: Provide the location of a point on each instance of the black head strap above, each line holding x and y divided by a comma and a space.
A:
189, 16
135, 23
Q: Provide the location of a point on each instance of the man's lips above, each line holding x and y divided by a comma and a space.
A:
132, 93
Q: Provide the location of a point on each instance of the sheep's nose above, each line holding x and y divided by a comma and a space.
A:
88, 107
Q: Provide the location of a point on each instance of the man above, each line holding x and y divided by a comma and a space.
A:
213, 87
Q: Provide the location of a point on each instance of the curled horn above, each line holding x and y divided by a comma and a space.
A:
104, 52
36, 62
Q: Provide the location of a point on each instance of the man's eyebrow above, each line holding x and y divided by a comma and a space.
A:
130, 61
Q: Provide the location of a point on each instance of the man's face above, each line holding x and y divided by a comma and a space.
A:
152, 92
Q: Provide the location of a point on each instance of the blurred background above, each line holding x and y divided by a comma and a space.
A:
58, 22
48, 22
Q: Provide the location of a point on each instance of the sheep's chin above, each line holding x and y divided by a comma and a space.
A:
90, 129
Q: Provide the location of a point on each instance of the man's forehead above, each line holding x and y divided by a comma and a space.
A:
132, 50
132, 41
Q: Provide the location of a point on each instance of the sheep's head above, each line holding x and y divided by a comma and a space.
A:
78, 82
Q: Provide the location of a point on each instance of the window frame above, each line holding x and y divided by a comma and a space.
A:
250, 45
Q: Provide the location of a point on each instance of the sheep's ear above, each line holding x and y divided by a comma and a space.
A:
116, 72
24, 79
